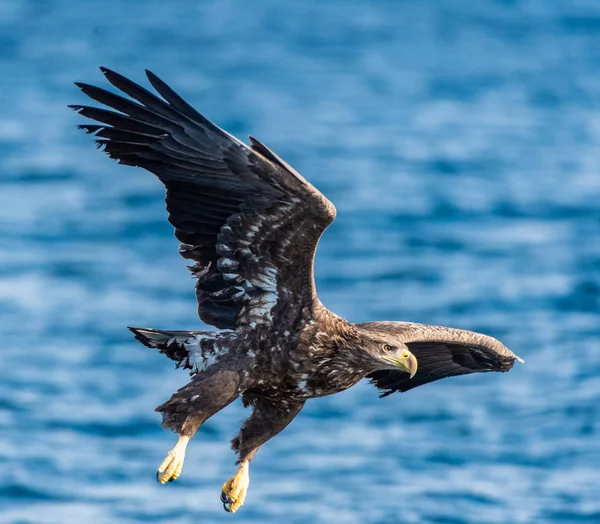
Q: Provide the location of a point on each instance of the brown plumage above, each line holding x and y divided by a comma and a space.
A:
250, 224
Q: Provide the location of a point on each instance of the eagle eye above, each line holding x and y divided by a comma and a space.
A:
388, 348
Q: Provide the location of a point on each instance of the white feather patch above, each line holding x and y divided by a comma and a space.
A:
202, 356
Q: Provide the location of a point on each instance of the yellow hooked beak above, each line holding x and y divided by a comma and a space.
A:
407, 362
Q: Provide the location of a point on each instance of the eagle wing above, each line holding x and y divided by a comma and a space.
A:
443, 352
247, 220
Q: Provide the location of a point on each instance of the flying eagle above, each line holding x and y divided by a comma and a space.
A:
250, 224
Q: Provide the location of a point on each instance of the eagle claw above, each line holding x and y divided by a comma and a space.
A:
233, 493
170, 468
226, 502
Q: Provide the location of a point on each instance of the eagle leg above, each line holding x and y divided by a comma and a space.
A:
233, 492
191, 406
268, 418
170, 468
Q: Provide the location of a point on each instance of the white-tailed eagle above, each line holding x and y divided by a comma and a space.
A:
250, 224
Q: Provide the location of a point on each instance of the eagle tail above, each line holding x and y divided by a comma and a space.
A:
194, 350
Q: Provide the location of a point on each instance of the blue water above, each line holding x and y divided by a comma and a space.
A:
460, 142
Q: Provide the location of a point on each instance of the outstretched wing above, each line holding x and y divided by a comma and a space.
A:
249, 222
443, 352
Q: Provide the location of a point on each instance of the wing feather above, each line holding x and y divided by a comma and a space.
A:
247, 220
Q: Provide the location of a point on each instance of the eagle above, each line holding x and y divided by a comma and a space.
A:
250, 224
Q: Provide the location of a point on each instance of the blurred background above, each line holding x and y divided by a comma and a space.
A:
460, 143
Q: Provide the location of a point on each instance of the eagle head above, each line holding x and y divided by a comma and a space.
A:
386, 352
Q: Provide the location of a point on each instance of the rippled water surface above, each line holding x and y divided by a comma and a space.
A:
460, 142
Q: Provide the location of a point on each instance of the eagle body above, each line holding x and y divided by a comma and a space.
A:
250, 225
286, 366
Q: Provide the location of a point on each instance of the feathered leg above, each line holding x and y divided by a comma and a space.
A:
213, 387
266, 421
188, 409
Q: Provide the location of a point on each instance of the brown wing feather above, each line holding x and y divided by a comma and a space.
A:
249, 222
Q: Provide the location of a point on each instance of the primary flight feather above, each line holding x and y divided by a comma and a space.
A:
250, 224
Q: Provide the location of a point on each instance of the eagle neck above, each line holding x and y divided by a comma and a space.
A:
337, 358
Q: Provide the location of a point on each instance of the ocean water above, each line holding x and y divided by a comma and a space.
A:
460, 142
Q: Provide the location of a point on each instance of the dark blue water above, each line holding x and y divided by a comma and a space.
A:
460, 142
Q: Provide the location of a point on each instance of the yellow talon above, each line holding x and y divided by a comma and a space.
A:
233, 493
170, 468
